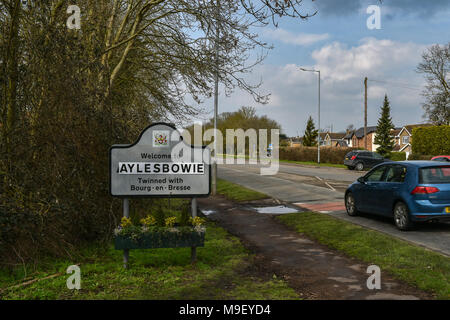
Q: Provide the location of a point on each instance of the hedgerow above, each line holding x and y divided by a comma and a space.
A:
327, 154
431, 140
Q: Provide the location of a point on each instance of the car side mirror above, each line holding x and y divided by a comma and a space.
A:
361, 180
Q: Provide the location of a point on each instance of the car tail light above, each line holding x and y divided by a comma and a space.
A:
353, 157
424, 190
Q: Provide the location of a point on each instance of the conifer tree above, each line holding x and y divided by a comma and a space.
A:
310, 137
383, 134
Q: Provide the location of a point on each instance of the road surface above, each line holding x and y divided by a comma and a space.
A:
322, 189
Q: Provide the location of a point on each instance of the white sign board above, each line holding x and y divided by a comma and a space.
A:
160, 164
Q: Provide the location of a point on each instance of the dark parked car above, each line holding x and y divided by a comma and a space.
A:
362, 159
408, 191
441, 158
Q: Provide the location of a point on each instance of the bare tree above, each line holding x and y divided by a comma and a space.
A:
175, 38
67, 95
436, 67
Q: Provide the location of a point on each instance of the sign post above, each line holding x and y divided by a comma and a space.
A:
194, 214
126, 214
159, 164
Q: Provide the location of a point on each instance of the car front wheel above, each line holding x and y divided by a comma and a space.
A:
401, 217
350, 204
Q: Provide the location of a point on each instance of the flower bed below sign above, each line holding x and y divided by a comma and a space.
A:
169, 238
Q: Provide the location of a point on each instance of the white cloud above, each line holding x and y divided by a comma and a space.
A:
420, 8
343, 68
372, 58
376, 91
298, 39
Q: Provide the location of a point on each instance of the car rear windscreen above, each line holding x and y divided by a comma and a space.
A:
434, 175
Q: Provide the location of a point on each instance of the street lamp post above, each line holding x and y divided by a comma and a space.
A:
318, 136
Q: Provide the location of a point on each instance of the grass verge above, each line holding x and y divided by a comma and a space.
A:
237, 192
311, 163
417, 266
155, 274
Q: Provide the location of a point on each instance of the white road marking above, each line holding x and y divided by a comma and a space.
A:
330, 186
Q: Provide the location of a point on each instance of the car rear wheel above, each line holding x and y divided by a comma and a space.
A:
350, 204
401, 217
359, 166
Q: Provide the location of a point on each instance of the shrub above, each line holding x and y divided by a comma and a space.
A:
431, 140
185, 214
159, 215
415, 156
397, 156
148, 221
309, 154
170, 222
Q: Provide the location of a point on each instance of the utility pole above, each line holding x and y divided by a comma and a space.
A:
365, 113
216, 100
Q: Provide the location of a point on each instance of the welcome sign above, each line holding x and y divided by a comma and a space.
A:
159, 164
160, 168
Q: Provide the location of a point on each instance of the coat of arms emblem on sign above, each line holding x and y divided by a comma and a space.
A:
161, 138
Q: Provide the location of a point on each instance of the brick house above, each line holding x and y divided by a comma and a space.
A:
348, 138
358, 138
403, 139
333, 139
296, 142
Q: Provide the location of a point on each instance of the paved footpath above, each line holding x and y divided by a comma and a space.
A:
313, 270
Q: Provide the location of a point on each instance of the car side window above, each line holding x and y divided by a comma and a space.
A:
375, 175
441, 159
377, 156
395, 174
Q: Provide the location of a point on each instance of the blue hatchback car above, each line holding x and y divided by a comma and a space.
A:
408, 191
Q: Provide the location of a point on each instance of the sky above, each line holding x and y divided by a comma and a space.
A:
338, 42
